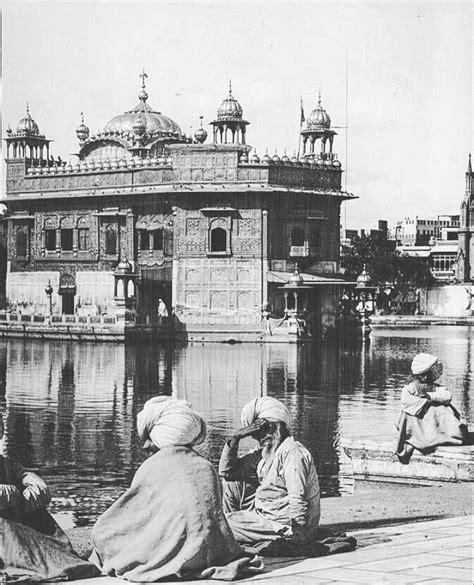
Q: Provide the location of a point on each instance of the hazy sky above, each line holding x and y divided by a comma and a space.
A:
409, 81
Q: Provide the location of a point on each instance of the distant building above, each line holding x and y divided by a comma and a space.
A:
465, 270
418, 232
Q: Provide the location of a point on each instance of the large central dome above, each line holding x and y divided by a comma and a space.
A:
156, 124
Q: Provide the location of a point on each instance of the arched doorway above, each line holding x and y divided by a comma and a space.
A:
67, 290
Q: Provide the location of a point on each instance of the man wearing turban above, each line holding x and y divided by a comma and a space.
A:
32, 546
169, 523
271, 493
428, 419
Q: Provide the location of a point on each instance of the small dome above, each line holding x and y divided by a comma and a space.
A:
364, 279
230, 108
123, 267
267, 158
285, 158
296, 278
82, 131
275, 157
319, 118
200, 135
255, 158
27, 126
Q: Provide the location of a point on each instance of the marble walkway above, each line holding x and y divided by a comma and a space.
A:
437, 552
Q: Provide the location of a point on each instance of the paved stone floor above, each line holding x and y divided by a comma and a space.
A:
435, 552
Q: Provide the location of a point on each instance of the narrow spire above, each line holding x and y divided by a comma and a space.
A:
82, 117
319, 99
230, 86
469, 165
27, 108
143, 96
201, 118
143, 75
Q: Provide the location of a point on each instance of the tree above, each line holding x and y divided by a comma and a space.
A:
387, 267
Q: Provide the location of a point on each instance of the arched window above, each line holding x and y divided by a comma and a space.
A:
21, 243
110, 240
297, 237
218, 240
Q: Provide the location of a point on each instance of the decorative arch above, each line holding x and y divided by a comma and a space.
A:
83, 221
66, 222
50, 222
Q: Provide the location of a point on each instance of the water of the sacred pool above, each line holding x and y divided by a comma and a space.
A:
71, 407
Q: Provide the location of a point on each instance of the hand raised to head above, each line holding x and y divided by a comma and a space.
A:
251, 429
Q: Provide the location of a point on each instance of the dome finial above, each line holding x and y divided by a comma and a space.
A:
319, 98
27, 108
82, 131
469, 165
143, 96
144, 76
200, 135
230, 86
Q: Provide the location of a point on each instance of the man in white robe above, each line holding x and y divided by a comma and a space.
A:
272, 492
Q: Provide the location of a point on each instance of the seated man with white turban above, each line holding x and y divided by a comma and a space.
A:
428, 419
272, 492
170, 523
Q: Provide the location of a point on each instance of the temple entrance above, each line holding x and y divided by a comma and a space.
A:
68, 304
155, 293
67, 290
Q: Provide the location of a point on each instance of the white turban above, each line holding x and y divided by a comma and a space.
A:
170, 422
265, 407
422, 363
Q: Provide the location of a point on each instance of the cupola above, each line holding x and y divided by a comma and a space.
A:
229, 126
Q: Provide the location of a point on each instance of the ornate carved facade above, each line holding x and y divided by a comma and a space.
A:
204, 226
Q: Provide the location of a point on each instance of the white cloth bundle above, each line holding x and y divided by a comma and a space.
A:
170, 422
266, 407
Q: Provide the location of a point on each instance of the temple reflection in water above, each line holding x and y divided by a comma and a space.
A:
71, 408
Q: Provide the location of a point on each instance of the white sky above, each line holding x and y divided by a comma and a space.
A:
409, 64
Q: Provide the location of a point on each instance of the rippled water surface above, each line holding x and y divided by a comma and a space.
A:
70, 407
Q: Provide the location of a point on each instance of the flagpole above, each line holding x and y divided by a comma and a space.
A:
301, 126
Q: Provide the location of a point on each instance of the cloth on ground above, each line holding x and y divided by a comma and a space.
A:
317, 547
31, 542
170, 524
39, 557
437, 425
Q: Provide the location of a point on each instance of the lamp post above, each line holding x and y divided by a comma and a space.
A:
364, 297
49, 293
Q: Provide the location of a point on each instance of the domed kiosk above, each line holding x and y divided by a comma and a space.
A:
318, 127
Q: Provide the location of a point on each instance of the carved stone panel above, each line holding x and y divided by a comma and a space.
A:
194, 227
218, 300
244, 299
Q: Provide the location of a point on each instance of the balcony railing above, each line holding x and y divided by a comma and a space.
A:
299, 251
81, 321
